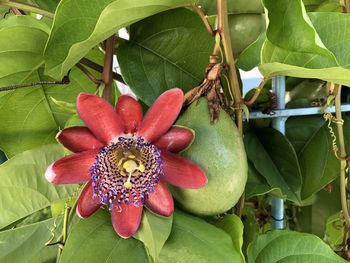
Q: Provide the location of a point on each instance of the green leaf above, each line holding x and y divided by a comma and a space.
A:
64, 106
318, 164
76, 30
300, 129
274, 157
327, 31
250, 56
74, 121
27, 244
288, 24
49, 5
153, 232
5, 13
312, 218
194, 240
331, 74
322, 53
234, 7
29, 118
251, 227
331, 6
23, 187
289, 246
233, 226
257, 185
19, 58
161, 53
94, 240
323, 5
334, 233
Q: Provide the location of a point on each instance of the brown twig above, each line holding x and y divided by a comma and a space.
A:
16, 11
88, 74
99, 68
27, 7
257, 93
204, 18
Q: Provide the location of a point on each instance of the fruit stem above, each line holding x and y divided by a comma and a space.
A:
27, 7
223, 29
343, 155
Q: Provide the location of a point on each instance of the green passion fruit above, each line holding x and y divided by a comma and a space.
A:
219, 150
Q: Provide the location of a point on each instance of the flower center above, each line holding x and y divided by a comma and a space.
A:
133, 167
126, 171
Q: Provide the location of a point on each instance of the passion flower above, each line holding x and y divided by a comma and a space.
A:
125, 159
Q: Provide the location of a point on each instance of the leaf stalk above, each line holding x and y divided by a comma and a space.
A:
27, 7
204, 18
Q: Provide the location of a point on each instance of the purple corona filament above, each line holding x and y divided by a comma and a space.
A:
126, 172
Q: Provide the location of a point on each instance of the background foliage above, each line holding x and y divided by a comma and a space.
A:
307, 41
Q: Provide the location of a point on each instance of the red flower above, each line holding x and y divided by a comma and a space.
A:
126, 159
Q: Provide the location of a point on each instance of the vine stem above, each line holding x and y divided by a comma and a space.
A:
343, 155
27, 7
223, 29
107, 68
346, 6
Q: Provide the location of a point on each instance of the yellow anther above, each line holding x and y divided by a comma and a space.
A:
141, 168
130, 166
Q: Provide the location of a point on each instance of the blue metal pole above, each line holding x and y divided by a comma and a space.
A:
279, 88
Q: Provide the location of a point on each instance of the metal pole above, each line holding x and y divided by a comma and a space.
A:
279, 88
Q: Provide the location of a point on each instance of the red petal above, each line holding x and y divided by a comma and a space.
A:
87, 203
78, 139
130, 111
127, 220
71, 169
100, 117
181, 172
160, 201
161, 115
175, 140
